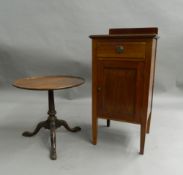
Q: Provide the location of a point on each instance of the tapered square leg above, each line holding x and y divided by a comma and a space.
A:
108, 123
142, 138
94, 130
148, 123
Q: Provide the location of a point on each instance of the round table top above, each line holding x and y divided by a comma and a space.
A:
48, 82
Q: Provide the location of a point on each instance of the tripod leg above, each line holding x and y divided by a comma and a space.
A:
38, 127
64, 123
53, 154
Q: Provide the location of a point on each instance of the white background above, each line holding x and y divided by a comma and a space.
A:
50, 37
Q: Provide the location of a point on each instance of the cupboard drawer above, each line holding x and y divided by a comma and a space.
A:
134, 50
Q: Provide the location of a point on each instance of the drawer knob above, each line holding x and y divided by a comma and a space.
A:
119, 49
99, 89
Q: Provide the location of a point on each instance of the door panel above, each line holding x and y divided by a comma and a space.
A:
120, 89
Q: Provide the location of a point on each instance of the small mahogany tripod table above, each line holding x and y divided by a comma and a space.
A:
50, 83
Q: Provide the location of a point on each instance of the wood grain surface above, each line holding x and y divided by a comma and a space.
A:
48, 82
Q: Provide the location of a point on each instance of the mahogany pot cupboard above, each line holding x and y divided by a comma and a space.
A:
123, 66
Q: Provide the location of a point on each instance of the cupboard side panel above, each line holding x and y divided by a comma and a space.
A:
94, 81
152, 76
148, 81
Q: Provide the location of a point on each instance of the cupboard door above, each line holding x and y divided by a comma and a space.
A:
120, 90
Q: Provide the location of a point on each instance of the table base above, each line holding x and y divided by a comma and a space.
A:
52, 123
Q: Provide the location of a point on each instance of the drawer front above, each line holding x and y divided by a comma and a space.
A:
113, 50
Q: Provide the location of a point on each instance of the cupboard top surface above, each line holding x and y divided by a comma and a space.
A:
125, 36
